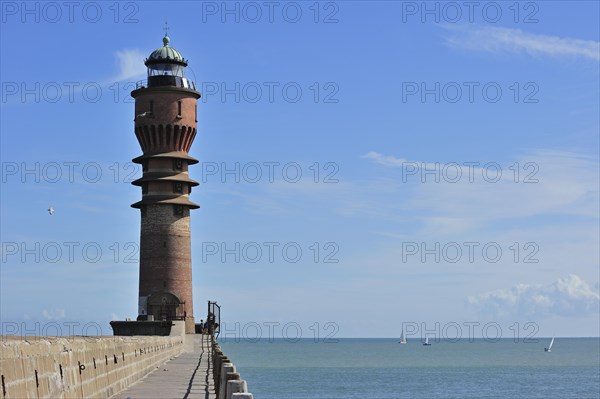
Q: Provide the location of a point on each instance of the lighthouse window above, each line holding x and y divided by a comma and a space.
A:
177, 164
178, 188
178, 210
179, 108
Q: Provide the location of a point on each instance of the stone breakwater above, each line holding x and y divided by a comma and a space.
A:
228, 382
79, 367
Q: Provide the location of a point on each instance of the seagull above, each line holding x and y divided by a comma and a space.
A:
51, 211
144, 114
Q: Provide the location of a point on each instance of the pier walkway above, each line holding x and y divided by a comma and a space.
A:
188, 376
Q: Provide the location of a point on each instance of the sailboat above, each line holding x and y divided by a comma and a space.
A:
549, 348
426, 343
402, 338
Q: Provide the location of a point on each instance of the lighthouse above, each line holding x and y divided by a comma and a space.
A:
165, 127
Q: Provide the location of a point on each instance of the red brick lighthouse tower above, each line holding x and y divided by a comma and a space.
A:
165, 126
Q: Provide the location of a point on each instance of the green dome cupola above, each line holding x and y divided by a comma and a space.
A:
165, 55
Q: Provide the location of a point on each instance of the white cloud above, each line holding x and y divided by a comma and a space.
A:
385, 160
54, 314
131, 64
496, 39
559, 183
447, 225
569, 296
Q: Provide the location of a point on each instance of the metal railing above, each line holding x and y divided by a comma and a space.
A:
214, 319
166, 80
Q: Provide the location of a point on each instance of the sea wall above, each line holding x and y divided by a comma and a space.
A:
228, 382
79, 367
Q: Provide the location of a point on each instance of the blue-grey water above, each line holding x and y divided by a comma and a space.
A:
384, 369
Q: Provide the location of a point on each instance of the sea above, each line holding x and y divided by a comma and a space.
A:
384, 369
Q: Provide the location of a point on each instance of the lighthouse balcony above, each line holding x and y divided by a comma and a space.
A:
166, 80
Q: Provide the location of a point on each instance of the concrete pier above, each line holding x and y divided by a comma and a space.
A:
189, 375
79, 367
137, 367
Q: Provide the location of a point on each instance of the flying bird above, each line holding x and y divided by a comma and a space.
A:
144, 114
51, 211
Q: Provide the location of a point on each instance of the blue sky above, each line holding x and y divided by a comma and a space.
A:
499, 103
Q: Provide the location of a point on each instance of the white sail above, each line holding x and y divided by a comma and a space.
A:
549, 348
402, 338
